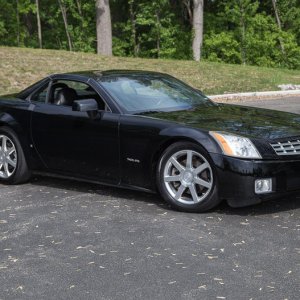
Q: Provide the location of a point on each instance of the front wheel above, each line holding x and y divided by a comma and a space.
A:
186, 178
13, 166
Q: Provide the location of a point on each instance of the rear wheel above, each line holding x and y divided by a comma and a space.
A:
186, 178
13, 166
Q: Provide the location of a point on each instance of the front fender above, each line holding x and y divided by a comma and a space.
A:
194, 135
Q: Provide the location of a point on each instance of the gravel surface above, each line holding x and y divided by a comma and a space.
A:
62, 239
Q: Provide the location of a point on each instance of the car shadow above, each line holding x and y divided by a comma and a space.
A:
99, 189
285, 204
264, 208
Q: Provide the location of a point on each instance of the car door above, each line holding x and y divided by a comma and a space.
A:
72, 142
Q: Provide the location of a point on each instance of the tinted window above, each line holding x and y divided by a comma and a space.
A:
27, 92
41, 94
65, 92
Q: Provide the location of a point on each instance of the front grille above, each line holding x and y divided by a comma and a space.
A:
287, 147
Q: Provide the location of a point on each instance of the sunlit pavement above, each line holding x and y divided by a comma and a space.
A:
290, 104
61, 239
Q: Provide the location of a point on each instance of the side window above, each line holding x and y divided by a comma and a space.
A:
65, 92
41, 94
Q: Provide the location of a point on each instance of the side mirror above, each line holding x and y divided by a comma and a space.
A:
87, 105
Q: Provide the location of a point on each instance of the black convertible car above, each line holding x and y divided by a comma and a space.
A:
152, 132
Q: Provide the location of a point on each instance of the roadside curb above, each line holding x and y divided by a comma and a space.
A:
255, 95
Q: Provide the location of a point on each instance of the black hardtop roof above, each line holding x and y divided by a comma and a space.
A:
98, 74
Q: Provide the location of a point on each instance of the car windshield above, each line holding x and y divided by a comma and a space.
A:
147, 93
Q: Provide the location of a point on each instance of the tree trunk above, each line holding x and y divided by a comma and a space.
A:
276, 14
18, 23
197, 28
187, 4
243, 34
243, 39
104, 31
64, 15
39, 23
158, 37
79, 8
80, 14
279, 26
133, 28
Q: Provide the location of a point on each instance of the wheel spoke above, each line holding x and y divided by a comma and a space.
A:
176, 164
172, 178
11, 151
11, 162
180, 192
189, 159
183, 177
194, 193
6, 171
201, 168
203, 183
8, 157
4, 140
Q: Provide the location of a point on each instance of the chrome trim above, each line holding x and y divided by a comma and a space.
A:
183, 177
8, 157
291, 147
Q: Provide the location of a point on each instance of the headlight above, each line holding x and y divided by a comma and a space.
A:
234, 145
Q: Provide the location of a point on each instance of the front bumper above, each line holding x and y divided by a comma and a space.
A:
236, 178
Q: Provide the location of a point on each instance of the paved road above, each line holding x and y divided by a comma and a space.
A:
291, 104
66, 240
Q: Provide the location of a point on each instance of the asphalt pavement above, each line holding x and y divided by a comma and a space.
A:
61, 239
290, 104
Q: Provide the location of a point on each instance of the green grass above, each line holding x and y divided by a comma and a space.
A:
20, 67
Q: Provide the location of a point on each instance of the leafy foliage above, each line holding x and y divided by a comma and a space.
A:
235, 31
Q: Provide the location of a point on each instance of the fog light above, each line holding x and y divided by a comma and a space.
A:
263, 186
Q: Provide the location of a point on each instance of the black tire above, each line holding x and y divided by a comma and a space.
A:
167, 190
21, 172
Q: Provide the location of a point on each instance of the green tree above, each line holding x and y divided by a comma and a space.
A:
244, 31
235, 31
153, 29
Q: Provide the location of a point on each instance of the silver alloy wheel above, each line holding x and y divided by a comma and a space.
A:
188, 177
8, 157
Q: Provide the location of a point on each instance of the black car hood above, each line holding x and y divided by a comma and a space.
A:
241, 120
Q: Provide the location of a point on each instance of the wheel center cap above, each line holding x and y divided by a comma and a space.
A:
188, 177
